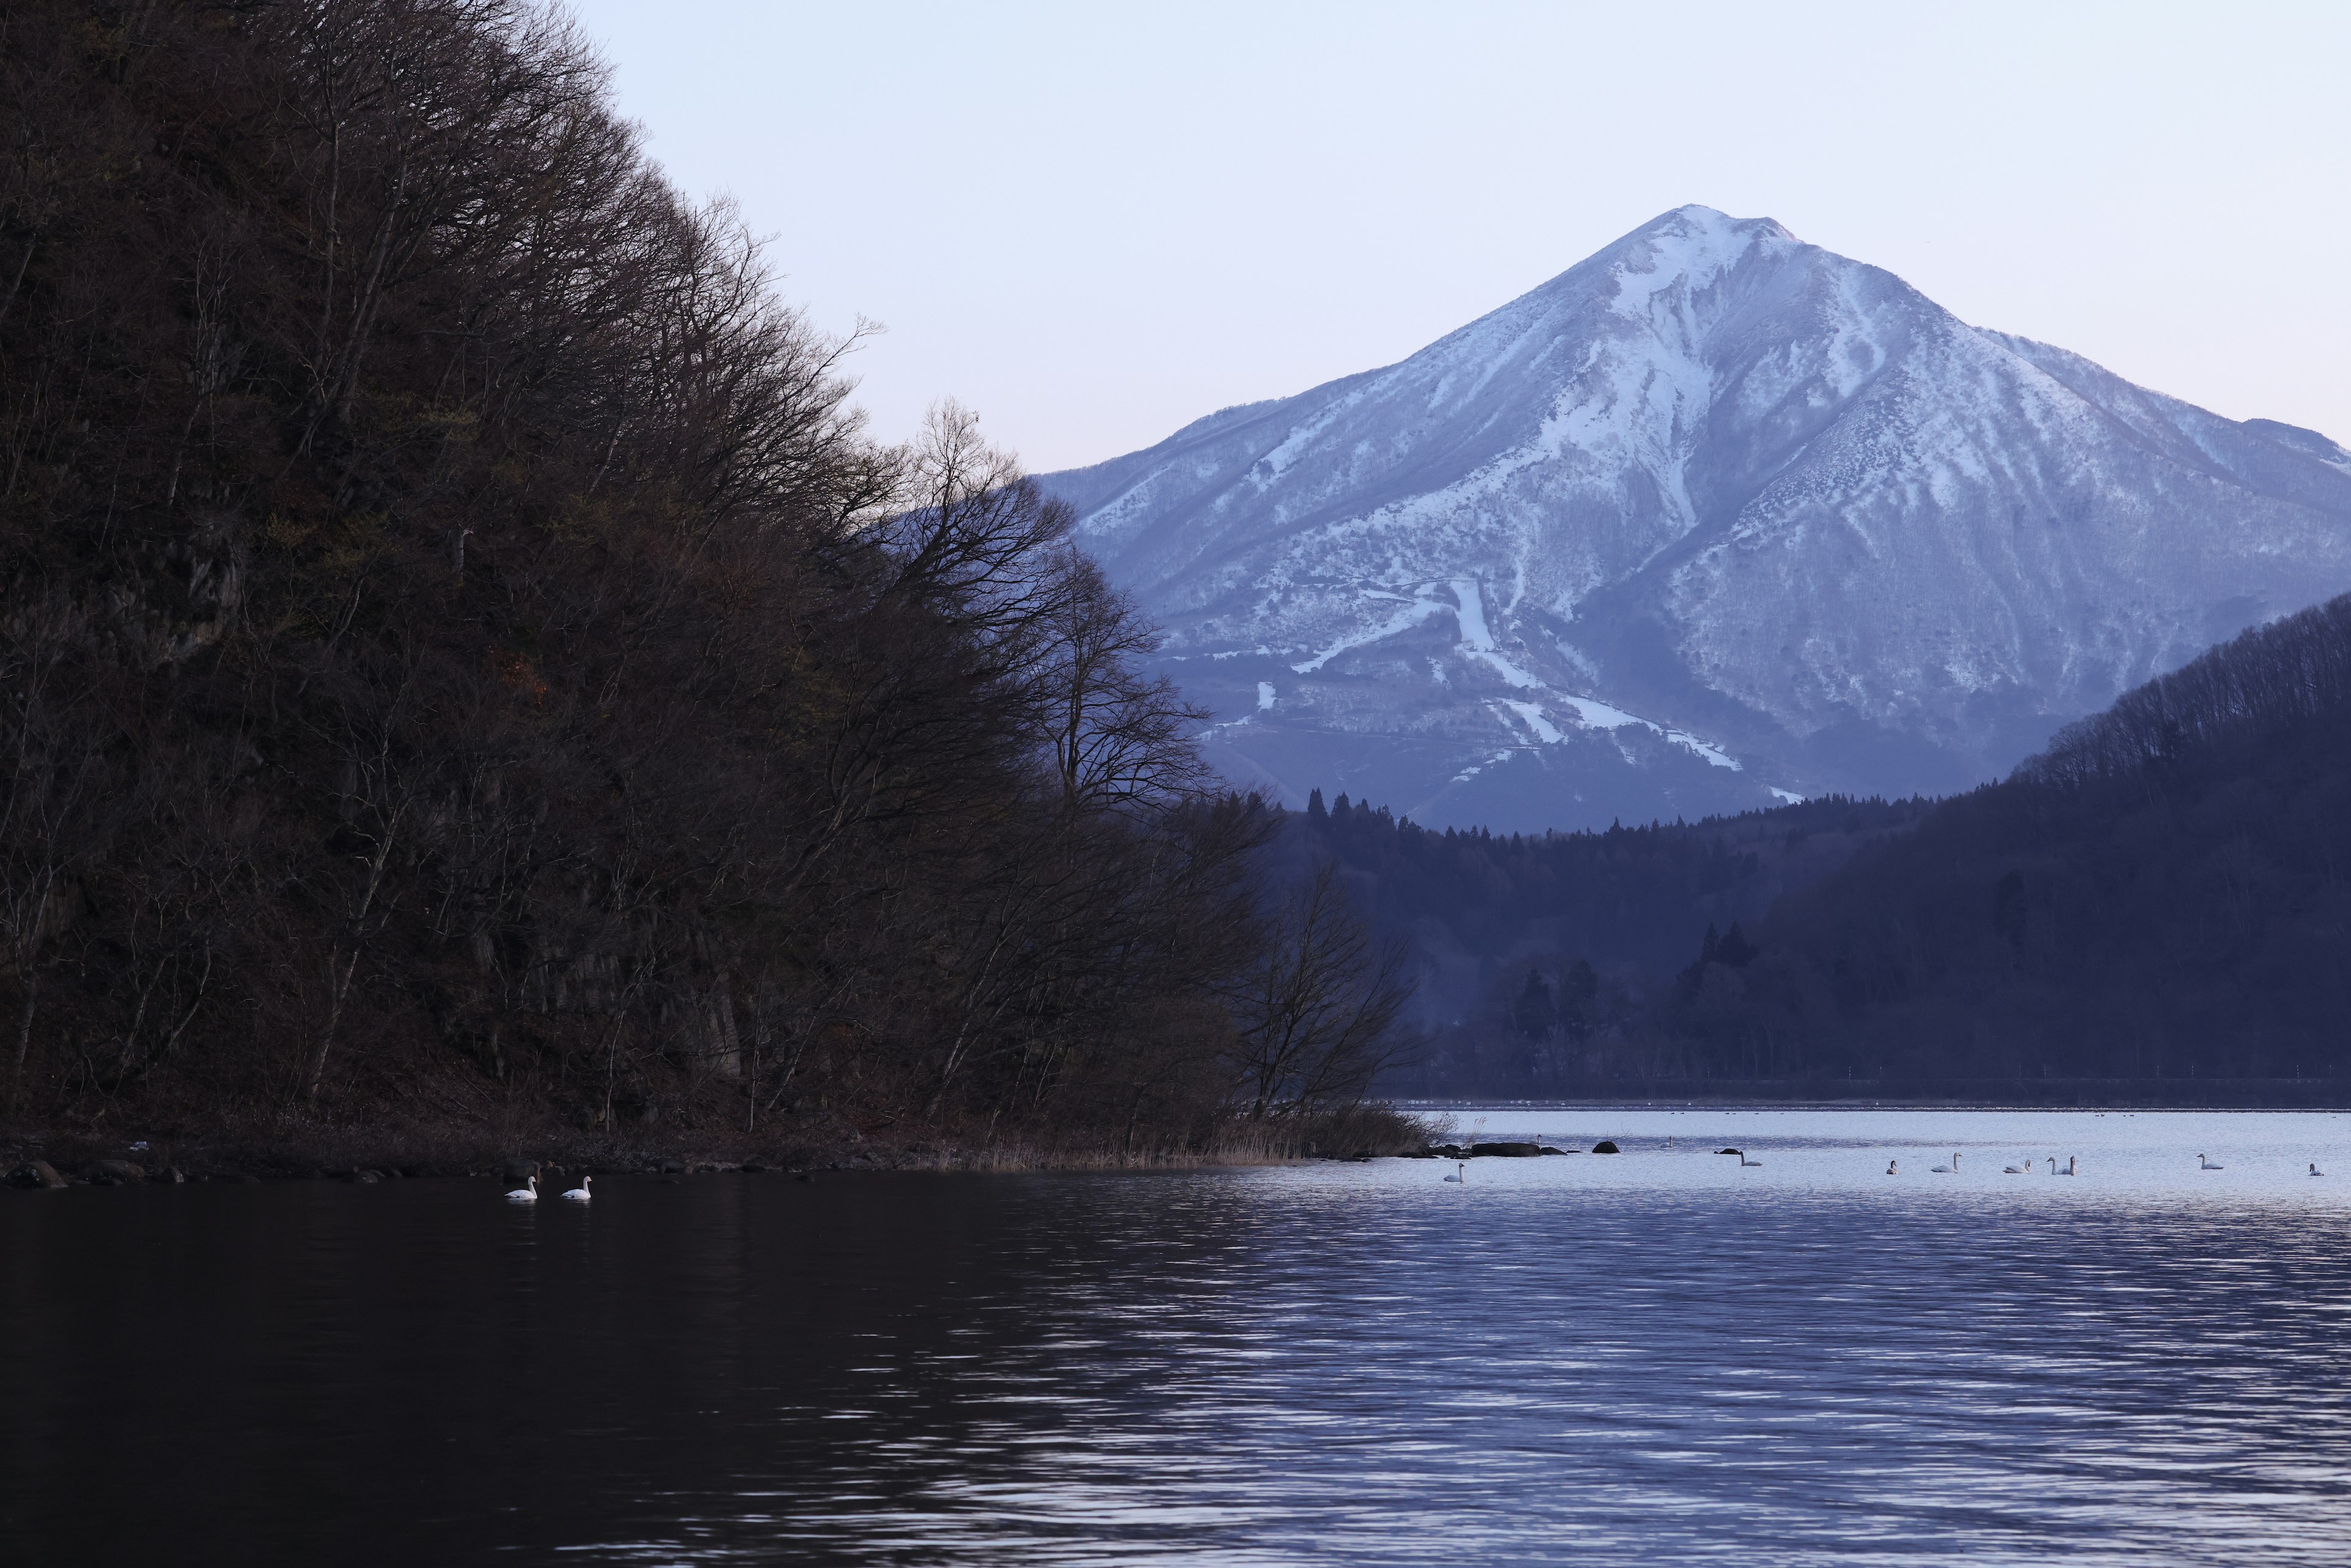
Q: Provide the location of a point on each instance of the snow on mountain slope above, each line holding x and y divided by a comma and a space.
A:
1712, 517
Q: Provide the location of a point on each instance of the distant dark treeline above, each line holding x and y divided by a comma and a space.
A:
1530, 953
465, 663
2157, 904
2155, 910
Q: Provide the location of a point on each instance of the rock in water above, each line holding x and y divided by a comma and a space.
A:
35, 1172
1605, 1147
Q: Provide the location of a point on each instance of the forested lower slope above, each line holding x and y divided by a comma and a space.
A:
2156, 907
1529, 952
465, 662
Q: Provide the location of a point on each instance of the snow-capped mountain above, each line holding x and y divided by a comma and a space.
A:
1712, 517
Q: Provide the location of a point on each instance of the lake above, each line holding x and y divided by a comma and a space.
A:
1662, 1356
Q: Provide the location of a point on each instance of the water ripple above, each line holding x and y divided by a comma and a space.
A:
1666, 1357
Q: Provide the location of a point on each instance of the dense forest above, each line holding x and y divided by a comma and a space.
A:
467, 665
2153, 910
2156, 908
1534, 957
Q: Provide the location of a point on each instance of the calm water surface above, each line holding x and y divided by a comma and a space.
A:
1661, 1357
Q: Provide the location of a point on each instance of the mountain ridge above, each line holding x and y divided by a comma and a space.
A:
1714, 516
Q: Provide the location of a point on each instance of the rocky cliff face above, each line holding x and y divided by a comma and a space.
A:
1713, 518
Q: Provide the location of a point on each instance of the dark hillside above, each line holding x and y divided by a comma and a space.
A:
1532, 953
2154, 909
465, 667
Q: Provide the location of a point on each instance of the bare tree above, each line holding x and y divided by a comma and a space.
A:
735, 742
1116, 736
1318, 1019
50, 800
357, 885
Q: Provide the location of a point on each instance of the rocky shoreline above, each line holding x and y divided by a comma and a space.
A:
1506, 1151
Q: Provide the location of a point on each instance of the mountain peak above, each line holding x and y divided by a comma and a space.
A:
1696, 218
1700, 237
1711, 518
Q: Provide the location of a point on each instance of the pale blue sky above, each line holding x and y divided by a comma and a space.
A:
1094, 223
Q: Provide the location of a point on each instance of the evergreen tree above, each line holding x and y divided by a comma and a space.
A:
2008, 910
1534, 1017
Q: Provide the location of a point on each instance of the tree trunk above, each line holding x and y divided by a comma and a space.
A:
337, 989
24, 1027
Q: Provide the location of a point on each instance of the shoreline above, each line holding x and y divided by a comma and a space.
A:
29, 1166
131, 1156
288, 1144
83, 1158
1453, 1107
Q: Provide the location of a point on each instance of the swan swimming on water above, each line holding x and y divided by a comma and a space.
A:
528, 1194
1890, 1170
2204, 1162
1951, 1169
1463, 1175
579, 1194
2069, 1164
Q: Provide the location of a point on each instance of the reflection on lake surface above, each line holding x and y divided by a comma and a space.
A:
1661, 1356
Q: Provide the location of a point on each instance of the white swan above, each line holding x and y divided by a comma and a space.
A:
2069, 1165
1745, 1161
579, 1194
1890, 1170
524, 1194
2204, 1162
1951, 1169
1463, 1177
